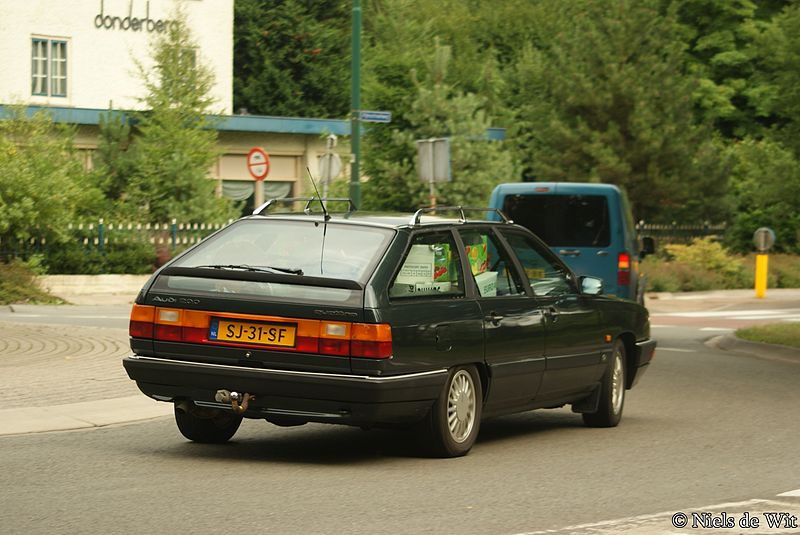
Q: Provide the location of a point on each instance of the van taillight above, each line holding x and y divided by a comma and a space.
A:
365, 340
624, 269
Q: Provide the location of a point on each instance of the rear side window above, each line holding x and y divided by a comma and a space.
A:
431, 268
563, 220
491, 267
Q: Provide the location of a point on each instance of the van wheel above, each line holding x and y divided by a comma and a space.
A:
612, 392
451, 426
209, 426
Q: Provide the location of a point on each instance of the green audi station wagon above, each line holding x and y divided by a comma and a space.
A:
412, 321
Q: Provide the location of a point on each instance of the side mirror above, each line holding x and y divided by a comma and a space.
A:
591, 285
648, 246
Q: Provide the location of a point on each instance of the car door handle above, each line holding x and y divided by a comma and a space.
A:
551, 313
569, 252
494, 318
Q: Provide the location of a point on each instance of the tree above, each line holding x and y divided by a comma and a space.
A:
766, 187
439, 110
113, 163
779, 53
292, 57
42, 182
176, 144
607, 98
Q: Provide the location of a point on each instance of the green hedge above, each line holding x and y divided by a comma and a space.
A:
127, 257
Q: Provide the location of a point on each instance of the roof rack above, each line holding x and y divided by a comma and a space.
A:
351, 207
461, 209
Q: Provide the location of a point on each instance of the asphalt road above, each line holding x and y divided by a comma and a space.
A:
704, 427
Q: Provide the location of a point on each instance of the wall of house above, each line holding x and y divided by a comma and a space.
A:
103, 41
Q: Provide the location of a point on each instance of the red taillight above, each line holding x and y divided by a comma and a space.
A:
371, 340
334, 347
172, 333
623, 269
142, 318
140, 329
373, 350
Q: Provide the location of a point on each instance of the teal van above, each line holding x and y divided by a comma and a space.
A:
590, 226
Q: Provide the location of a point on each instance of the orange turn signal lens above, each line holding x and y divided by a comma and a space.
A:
372, 332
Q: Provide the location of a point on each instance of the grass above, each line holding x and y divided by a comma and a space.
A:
18, 284
785, 334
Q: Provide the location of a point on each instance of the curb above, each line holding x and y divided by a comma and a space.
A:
83, 415
729, 342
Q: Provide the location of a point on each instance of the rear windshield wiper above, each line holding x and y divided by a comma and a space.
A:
263, 269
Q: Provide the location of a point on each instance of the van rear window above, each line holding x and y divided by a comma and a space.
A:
562, 220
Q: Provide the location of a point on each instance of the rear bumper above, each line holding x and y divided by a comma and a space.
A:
309, 396
642, 357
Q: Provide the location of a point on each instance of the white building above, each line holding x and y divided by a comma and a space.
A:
83, 53
78, 58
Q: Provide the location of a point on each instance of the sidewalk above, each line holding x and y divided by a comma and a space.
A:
57, 376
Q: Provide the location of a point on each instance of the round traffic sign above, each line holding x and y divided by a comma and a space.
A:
330, 165
258, 163
764, 239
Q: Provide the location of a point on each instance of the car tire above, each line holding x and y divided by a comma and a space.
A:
612, 392
208, 426
452, 424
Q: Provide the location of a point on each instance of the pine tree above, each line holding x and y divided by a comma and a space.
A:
176, 144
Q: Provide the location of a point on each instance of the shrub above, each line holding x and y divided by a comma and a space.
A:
672, 276
124, 257
783, 270
709, 256
18, 284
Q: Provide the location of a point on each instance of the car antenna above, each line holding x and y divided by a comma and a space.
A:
325, 213
325, 218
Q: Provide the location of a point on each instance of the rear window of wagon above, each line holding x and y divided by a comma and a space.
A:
342, 251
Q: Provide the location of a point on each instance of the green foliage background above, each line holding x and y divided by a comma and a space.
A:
693, 106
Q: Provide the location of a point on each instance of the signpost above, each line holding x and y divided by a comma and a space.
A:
433, 163
763, 239
258, 167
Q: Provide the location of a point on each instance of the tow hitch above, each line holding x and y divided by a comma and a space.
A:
238, 401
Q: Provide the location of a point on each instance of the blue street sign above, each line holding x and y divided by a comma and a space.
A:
375, 116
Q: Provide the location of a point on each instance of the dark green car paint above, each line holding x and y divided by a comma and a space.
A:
530, 351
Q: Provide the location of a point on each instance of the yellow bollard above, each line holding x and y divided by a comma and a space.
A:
761, 275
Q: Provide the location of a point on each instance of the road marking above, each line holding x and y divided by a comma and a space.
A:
765, 314
679, 350
791, 493
659, 326
635, 522
717, 329
789, 317
663, 523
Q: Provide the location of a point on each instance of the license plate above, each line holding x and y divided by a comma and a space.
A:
245, 332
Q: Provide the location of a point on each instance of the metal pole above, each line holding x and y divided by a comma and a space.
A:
355, 105
101, 236
432, 169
